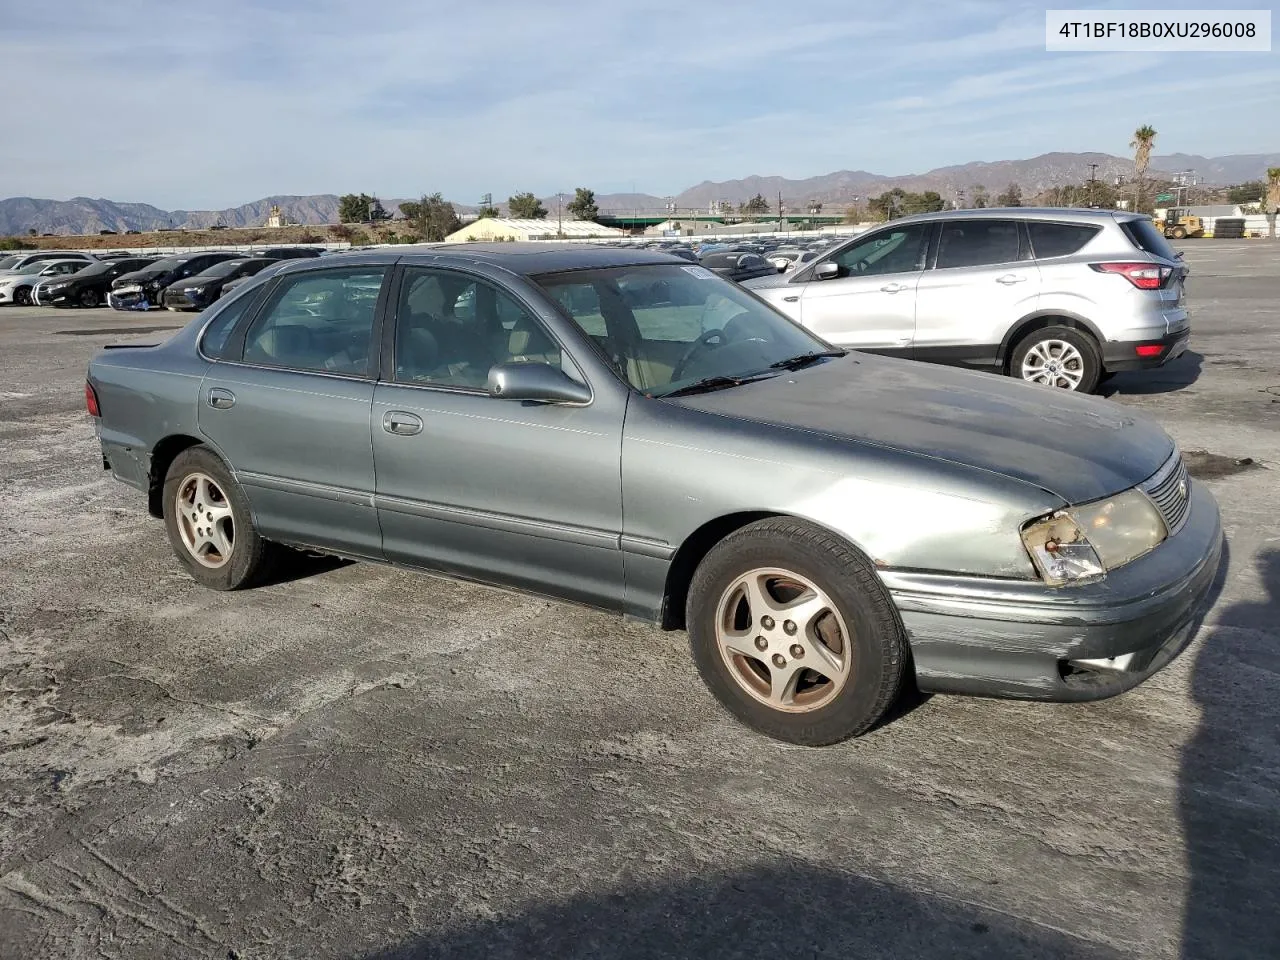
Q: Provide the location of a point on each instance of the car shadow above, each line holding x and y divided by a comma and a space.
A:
299, 565
1229, 783
783, 909
1173, 376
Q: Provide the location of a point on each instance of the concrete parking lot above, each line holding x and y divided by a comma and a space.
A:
361, 762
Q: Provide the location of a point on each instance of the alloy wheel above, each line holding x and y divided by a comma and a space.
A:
205, 520
783, 640
1054, 363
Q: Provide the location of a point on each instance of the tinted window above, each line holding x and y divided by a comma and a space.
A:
318, 321
216, 334
899, 250
976, 243
1146, 237
1058, 239
452, 328
8, 262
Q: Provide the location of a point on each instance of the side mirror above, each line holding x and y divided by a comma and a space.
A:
826, 271
535, 381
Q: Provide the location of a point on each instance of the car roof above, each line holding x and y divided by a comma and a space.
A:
526, 259
1077, 214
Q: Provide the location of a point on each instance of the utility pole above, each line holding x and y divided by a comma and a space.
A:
780, 225
1093, 180
559, 219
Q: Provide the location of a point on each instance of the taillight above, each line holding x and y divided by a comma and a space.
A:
1149, 349
91, 399
1144, 276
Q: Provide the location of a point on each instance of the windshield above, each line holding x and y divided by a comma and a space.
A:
93, 269
34, 266
166, 265
6, 263
665, 327
224, 268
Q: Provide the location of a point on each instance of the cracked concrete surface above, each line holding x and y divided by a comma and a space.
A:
361, 762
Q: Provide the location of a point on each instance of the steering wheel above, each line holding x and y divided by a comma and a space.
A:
698, 346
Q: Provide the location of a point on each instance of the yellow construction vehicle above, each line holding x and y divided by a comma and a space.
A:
1178, 224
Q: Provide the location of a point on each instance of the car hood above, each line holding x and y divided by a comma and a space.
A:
772, 280
1080, 448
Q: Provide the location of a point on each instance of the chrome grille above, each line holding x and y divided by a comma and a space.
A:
1170, 491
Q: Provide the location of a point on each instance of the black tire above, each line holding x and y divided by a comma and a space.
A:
22, 297
1179, 233
877, 646
251, 557
88, 298
1090, 363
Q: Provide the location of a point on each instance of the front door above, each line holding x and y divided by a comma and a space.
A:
288, 408
871, 303
503, 491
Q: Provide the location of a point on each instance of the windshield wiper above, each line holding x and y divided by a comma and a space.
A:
708, 384
804, 359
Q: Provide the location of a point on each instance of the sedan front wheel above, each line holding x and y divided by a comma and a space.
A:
795, 635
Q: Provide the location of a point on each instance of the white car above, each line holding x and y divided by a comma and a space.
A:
787, 258
17, 287
15, 262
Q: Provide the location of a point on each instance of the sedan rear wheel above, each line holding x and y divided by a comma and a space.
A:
795, 635
209, 523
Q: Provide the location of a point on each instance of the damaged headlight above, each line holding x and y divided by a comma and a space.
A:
1086, 541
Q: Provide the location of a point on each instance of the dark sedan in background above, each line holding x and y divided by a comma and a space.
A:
89, 287
204, 288
738, 266
141, 289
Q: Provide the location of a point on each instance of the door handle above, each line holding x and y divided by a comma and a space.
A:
1010, 278
791, 299
221, 399
894, 287
401, 424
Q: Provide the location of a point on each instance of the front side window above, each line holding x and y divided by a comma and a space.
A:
896, 250
978, 243
321, 321
665, 327
452, 328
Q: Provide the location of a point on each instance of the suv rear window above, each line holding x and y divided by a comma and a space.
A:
1058, 239
1146, 237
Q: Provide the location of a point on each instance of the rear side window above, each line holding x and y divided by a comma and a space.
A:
1059, 239
1145, 236
218, 332
976, 243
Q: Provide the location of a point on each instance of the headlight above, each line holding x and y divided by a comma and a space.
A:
1086, 541
54, 287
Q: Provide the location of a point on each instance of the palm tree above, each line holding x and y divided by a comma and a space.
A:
1271, 202
1144, 138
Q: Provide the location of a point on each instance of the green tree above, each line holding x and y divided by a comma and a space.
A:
355, 208
583, 205
1249, 192
755, 206
525, 206
432, 217
377, 211
898, 203
979, 197
487, 210
1143, 142
1011, 197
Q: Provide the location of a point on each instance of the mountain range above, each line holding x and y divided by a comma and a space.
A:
83, 215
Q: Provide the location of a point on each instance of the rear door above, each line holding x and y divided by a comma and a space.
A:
871, 303
983, 281
287, 405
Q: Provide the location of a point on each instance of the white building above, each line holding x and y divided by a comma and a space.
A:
506, 228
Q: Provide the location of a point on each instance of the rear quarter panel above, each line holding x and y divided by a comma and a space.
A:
145, 394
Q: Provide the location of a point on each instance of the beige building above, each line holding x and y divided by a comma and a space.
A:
505, 228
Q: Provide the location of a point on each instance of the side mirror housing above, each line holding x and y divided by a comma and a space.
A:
535, 381
826, 271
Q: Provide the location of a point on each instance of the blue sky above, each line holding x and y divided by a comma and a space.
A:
219, 103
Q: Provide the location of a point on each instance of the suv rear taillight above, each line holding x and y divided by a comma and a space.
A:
91, 400
1144, 276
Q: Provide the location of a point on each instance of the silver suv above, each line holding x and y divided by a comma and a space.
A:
1057, 297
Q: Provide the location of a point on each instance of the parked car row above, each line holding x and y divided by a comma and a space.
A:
188, 281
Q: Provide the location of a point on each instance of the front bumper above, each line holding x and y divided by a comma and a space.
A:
179, 300
1118, 355
1000, 638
